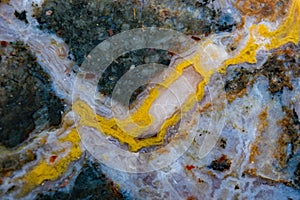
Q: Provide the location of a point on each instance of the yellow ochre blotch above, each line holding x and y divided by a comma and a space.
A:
45, 171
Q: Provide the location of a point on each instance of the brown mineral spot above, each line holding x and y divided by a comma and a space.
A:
191, 198
189, 167
89, 76
7, 173
251, 171
4, 1
262, 124
200, 180
205, 107
237, 87
42, 141
210, 173
263, 115
262, 9
279, 69
263, 120
231, 97
254, 153
163, 150
52, 158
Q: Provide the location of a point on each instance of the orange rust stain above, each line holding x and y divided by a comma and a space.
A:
191, 198
263, 123
254, 152
162, 150
189, 167
110, 32
289, 135
251, 171
210, 173
232, 96
64, 183
67, 71
90, 76
200, 180
205, 107
115, 188
263, 115
52, 158
263, 120
42, 141
7, 173
62, 52
280, 155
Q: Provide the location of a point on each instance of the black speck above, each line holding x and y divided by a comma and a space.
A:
21, 16
221, 164
223, 143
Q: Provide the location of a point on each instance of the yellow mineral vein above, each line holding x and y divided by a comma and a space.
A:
259, 37
50, 171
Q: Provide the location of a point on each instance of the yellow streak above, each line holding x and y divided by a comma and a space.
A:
111, 127
46, 171
288, 31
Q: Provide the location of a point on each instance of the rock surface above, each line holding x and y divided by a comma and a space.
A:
253, 149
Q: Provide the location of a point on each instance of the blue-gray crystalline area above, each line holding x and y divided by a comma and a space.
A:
29, 103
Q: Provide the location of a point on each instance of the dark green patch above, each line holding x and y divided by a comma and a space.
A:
122, 64
297, 175
21, 16
84, 24
26, 96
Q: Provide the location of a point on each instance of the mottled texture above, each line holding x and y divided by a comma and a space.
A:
27, 100
279, 68
256, 155
72, 20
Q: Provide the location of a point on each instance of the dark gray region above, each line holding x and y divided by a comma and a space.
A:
84, 24
26, 97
